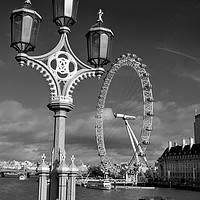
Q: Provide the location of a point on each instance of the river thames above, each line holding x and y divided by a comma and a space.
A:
14, 189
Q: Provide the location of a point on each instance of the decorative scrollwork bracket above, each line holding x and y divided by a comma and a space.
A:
61, 69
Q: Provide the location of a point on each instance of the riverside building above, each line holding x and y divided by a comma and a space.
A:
181, 163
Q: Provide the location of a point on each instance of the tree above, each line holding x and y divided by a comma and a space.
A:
95, 171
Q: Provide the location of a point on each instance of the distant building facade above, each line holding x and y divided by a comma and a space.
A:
197, 129
180, 163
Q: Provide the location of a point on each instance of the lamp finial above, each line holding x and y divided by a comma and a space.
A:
43, 157
63, 158
28, 1
100, 13
73, 159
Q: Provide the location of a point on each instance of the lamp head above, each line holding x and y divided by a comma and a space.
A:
65, 12
25, 22
99, 43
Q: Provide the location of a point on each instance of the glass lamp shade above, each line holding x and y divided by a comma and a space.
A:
65, 12
25, 24
99, 41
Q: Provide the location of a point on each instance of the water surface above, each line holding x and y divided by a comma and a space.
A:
13, 189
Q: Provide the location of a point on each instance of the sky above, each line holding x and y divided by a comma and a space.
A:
164, 33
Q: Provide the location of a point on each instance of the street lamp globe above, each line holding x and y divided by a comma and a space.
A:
99, 41
25, 22
65, 12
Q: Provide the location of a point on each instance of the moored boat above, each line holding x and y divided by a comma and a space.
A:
22, 177
156, 198
98, 184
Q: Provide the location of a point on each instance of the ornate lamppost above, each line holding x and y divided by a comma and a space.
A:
60, 67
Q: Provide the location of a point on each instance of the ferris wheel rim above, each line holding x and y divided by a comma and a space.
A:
133, 61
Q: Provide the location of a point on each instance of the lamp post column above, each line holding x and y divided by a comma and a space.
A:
60, 109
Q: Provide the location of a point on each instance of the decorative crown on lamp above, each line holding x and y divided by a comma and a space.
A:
25, 22
65, 12
99, 43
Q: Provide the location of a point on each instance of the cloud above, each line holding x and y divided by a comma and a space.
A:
20, 151
23, 130
195, 75
171, 122
159, 106
180, 53
2, 63
174, 119
165, 92
26, 133
82, 154
81, 138
75, 126
108, 114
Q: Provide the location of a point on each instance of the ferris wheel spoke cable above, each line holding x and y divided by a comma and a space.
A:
127, 96
127, 83
111, 135
130, 93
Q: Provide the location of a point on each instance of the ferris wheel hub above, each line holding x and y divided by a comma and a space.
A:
125, 117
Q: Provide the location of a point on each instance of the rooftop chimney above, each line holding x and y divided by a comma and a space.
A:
175, 144
191, 142
183, 141
169, 145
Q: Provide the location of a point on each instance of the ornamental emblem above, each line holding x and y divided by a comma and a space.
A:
63, 65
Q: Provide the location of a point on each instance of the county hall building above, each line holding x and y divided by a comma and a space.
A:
181, 163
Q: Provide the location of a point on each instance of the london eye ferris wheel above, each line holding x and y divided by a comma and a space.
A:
124, 114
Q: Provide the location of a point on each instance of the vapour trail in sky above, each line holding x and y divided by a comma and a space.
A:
179, 53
